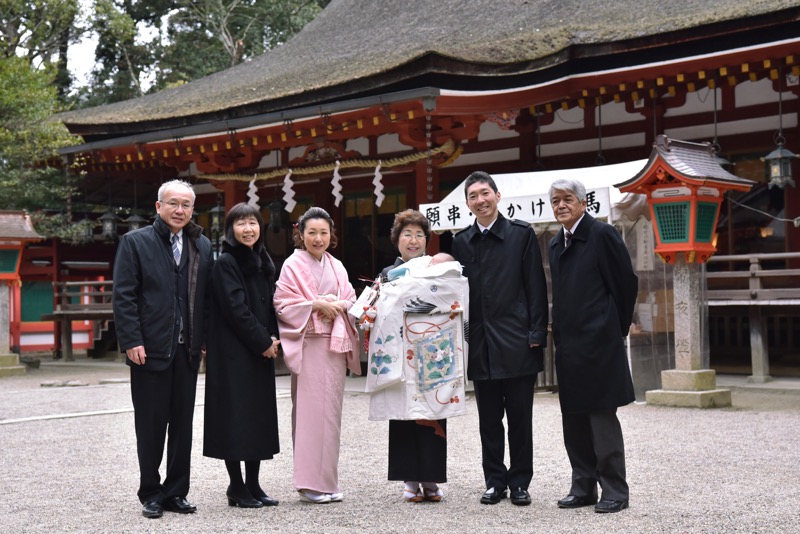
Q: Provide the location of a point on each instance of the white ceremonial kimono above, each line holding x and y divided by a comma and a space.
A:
417, 350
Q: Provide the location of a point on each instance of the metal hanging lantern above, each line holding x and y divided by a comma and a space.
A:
217, 215
88, 230
109, 226
779, 161
779, 166
275, 216
135, 222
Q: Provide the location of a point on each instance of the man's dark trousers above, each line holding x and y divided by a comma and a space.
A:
514, 397
163, 403
596, 452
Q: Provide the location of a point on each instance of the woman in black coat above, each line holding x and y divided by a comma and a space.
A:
241, 416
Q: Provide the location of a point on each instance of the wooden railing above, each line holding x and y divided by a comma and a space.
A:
756, 288
79, 301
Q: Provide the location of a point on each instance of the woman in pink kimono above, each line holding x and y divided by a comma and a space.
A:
319, 342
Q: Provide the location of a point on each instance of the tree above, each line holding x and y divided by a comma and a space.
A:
244, 28
41, 31
28, 137
143, 45
124, 58
147, 45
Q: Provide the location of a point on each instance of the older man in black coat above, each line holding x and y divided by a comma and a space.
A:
507, 330
161, 274
594, 293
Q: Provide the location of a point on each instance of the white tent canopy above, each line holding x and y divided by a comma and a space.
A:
523, 195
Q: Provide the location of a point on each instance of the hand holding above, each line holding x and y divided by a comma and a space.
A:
326, 309
272, 351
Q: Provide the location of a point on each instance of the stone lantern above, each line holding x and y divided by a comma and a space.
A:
685, 185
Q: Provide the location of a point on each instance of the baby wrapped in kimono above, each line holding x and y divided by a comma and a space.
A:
417, 351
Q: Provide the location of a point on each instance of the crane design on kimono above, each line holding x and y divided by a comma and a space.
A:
417, 305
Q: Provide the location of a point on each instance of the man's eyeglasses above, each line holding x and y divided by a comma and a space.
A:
174, 205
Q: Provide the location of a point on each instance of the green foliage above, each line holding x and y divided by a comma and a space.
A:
143, 45
61, 226
122, 58
41, 32
187, 39
146, 45
28, 137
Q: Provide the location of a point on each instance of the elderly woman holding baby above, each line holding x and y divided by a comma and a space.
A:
417, 447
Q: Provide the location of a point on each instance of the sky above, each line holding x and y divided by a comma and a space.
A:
80, 59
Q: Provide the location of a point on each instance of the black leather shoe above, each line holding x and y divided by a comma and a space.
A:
265, 499
242, 500
609, 507
520, 497
152, 509
573, 501
493, 496
179, 505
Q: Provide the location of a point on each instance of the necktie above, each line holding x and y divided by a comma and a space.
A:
567, 237
485, 231
176, 252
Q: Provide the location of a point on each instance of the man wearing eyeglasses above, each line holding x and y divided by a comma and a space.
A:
160, 277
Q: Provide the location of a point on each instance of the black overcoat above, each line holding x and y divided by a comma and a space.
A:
594, 293
241, 416
507, 299
144, 293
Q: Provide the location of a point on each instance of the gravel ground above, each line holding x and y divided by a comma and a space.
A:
69, 465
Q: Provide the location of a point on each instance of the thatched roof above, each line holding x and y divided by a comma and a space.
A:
364, 47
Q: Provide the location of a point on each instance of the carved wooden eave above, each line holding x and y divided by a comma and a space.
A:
241, 151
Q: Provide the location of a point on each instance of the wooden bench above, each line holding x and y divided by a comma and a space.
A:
79, 301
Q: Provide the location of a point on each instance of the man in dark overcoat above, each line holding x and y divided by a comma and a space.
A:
594, 293
161, 274
507, 330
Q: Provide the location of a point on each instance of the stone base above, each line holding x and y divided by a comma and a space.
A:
753, 379
9, 365
689, 389
699, 380
714, 398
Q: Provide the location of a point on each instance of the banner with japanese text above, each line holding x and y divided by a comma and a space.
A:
534, 209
